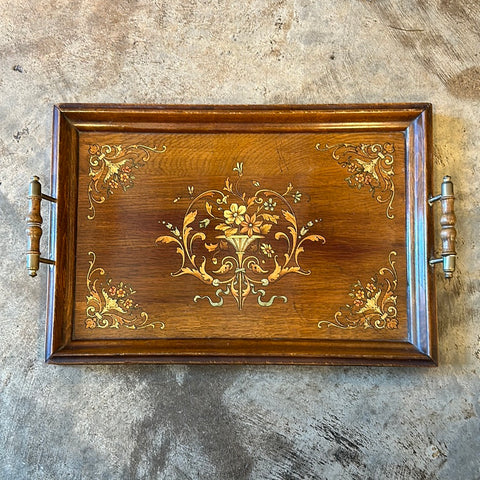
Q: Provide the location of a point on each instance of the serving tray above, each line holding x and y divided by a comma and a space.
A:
241, 234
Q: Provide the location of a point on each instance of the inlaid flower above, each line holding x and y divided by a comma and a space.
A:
124, 177
112, 291
127, 303
389, 148
360, 294
370, 287
368, 179
358, 302
235, 215
113, 183
90, 323
351, 167
270, 204
297, 196
392, 323
94, 150
126, 169
360, 178
250, 225
121, 293
267, 249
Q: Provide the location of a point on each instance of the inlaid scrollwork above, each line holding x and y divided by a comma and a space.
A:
113, 167
374, 303
368, 166
111, 304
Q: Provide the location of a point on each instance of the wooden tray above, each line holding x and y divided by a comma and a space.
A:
242, 234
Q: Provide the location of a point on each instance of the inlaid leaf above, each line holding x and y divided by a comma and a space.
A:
270, 218
189, 218
186, 232
165, 239
289, 217
224, 268
223, 227
264, 229
230, 232
257, 268
315, 238
228, 185
211, 246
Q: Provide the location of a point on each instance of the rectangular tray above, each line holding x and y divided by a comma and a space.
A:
242, 234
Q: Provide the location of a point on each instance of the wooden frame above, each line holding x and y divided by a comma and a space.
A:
413, 341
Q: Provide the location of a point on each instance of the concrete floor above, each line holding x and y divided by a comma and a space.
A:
178, 422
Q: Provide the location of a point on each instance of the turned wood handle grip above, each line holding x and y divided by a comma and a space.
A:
448, 219
448, 232
34, 226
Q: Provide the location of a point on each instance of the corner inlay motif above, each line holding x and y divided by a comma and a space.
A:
111, 304
374, 303
368, 166
112, 167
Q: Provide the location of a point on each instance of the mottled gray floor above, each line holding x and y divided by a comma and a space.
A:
181, 422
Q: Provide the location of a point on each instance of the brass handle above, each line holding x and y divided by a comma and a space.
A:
448, 233
34, 226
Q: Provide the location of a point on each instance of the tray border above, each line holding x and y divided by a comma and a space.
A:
414, 120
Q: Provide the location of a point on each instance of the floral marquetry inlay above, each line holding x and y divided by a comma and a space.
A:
112, 304
374, 303
368, 166
240, 241
112, 167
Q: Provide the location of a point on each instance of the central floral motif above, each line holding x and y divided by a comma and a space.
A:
238, 243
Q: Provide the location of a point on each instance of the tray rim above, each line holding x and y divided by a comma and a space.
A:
414, 119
